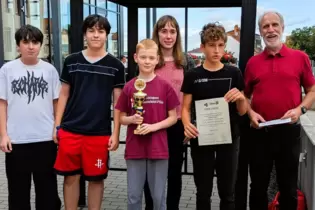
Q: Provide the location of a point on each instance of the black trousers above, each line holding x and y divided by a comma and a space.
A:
32, 160
175, 136
279, 145
223, 159
241, 186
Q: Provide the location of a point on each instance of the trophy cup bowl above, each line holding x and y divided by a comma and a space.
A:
139, 98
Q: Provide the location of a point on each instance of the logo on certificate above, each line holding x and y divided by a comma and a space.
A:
211, 103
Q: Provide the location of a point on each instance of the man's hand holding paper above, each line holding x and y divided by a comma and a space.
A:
294, 114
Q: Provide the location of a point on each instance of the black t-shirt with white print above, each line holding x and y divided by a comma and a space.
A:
91, 85
204, 84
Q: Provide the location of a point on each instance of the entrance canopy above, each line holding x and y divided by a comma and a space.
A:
248, 22
180, 3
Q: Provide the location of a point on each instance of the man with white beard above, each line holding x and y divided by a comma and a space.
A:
273, 81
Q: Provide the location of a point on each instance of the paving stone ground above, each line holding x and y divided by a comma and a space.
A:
115, 192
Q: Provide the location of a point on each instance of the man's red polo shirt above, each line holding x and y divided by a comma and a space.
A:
275, 81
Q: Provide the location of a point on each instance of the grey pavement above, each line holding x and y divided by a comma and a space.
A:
115, 192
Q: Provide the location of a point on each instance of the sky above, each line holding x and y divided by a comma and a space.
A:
297, 14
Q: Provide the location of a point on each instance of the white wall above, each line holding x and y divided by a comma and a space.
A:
233, 46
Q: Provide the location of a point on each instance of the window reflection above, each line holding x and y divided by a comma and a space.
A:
93, 10
65, 26
93, 2
125, 28
36, 14
111, 6
142, 34
86, 10
101, 11
13, 4
101, 3
11, 22
112, 39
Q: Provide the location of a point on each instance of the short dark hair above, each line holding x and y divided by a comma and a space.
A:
28, 33
212, 32
96, 20
121, 57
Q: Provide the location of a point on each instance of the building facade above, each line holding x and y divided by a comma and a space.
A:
42, 14
61, 21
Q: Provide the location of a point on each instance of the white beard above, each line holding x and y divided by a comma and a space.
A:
273, 44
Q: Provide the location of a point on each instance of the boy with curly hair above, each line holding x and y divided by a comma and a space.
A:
211, 80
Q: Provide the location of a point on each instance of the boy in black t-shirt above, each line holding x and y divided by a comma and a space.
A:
212, 80
83, 119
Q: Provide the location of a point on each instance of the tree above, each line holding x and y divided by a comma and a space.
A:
303, 39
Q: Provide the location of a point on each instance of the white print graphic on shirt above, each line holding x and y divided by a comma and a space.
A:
153, 100
30, 86
203, 80
99, 164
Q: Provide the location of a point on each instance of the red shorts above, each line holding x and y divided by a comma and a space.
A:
80, 154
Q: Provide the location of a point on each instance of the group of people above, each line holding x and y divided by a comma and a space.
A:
48, 127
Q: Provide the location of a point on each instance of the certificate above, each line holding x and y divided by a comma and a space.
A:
213, 122
275, 122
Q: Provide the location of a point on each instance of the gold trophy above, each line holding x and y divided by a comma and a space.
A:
139, 99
